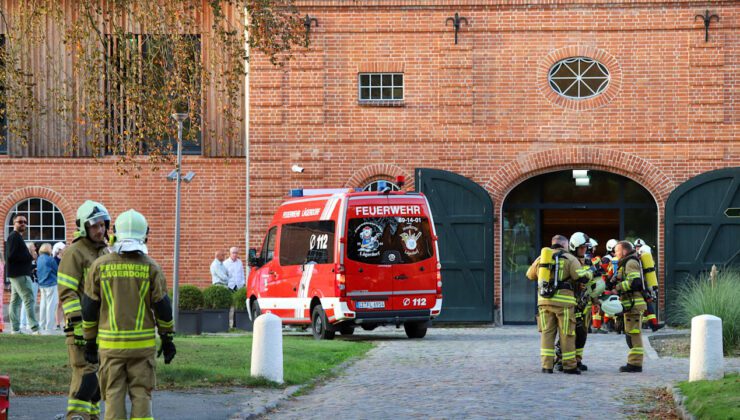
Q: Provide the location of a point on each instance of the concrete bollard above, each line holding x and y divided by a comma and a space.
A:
707, 360
267, 348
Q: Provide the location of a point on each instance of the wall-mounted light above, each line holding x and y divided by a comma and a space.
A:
580, 173
297, 169
583, 182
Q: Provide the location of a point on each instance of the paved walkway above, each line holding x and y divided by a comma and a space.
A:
482, 373
452, 373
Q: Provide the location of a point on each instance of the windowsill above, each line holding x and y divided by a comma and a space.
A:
386, 103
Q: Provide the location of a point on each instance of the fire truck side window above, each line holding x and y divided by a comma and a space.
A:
268, 247
307, 242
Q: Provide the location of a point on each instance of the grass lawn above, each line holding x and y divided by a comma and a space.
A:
713, 399
38, 364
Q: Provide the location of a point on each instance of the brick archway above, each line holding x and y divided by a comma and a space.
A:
45, 193
658, 184
381, 170
622, 163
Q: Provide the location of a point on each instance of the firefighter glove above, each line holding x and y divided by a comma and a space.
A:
91, 351
167, 347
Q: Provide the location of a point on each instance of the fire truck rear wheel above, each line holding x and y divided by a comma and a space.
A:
347, 329
320, 324
415, 329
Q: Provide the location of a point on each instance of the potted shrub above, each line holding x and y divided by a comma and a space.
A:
241, 315
190, 303
215, 314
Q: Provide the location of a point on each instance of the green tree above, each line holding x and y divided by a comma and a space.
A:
103, 77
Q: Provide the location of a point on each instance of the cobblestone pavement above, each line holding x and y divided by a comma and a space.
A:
481, 373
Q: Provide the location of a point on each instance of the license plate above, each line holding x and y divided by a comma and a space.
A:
370, 304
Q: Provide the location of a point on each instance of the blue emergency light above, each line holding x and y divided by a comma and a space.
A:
296, 192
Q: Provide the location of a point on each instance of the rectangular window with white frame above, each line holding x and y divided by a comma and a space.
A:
380, 88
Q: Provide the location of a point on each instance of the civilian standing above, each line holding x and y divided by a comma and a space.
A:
57, 253
2, 290
19, 268
219, 275
34, 285
47, 267
235, 267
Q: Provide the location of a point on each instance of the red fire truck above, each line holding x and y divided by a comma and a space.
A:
344, 259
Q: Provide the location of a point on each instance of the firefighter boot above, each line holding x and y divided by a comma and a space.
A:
628, 368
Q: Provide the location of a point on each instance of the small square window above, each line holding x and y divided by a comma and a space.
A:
381, 87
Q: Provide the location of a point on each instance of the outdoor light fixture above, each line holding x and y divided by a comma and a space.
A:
189, 176
172, 176
580, 173
583, 182
297, 169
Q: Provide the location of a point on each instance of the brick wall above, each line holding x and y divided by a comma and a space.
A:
483, 108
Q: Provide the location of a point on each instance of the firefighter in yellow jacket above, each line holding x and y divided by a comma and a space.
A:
92, 222
557, 307
125, 302
629, 285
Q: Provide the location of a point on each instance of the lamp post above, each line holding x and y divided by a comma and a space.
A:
176, 175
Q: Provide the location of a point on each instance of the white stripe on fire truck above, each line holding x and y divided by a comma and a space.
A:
329, 208
303, 287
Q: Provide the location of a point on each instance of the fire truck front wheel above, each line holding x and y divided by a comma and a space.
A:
415, 329
320, 324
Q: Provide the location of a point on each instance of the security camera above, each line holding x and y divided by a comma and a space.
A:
296, 168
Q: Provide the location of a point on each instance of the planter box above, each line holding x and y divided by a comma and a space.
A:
214, 320
242, 321
188, 323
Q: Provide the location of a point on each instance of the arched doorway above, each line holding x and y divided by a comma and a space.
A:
606, 206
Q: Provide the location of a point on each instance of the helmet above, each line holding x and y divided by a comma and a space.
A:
91, 212
638, 243
612, 306
596, 288
131, 230
611, 244
593, 242
577, 240
645, 249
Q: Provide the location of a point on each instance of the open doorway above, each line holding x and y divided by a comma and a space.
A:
607, 206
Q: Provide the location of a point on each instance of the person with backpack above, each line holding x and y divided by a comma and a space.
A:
629, 285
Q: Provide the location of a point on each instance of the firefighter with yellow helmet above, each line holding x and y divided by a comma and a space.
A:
557, 273
92, 222
125, 302
630, 285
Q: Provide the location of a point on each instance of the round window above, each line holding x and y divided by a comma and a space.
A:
578, 77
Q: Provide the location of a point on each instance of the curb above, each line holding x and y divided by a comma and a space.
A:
292, 391
680, 401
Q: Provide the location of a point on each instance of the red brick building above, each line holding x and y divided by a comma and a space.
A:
662, 107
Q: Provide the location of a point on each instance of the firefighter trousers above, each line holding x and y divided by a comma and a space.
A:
582, 325
82, 406
633, 335
134, 377
554, 320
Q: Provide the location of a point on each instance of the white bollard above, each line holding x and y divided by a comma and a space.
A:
707, 360
267, 348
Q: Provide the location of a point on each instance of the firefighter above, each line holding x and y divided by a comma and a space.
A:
92, 222
582, 246
601, 320
629, 285
557, 306
125, 300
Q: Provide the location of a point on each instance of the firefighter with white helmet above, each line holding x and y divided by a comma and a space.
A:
125, 300
557, 273
629, 285
92, 222
610, 244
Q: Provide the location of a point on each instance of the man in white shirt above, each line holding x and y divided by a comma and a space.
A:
219, 275
235, 267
